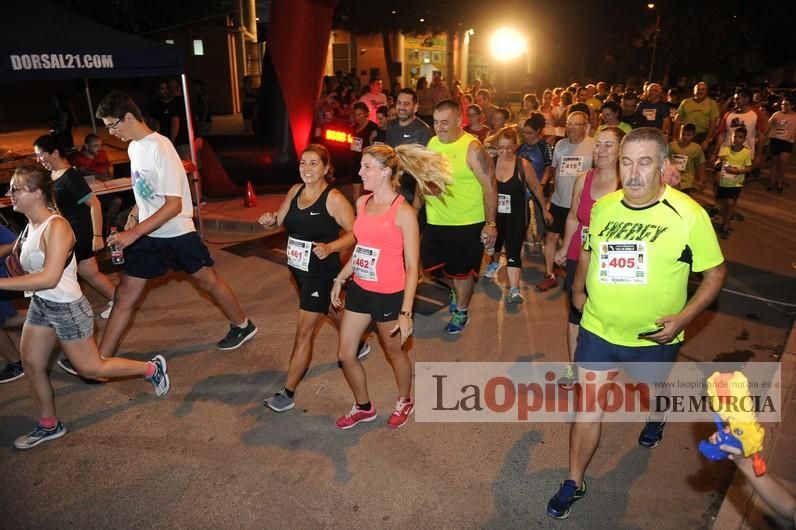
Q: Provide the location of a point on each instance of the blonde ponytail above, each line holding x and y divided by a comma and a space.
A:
431, 170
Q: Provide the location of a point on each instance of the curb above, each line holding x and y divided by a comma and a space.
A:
741, 507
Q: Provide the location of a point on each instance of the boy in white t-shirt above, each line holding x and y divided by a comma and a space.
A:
160, 233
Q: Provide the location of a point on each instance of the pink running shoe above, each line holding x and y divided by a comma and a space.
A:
403, 408
355, 416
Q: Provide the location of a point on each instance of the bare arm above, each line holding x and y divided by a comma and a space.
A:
406, 221
708, 290
96, 223
339, 208
58, 242
579, 282
175, 128
534, 186
571, 225
170, 209
480, 163
275, 219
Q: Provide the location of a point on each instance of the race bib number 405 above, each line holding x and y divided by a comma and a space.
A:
364, 261
298, 253
623, 262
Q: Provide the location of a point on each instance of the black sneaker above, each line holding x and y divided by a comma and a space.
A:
11, 372
561, 503
67, 367
652, 434
237, 336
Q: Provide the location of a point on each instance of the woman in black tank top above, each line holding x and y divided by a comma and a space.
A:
513, 212
314, 216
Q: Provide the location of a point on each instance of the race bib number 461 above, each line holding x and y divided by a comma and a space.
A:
623, 262
298, 253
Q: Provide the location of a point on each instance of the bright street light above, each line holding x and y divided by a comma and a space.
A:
507, 44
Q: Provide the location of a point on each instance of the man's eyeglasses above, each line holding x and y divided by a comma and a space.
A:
506, 148
112, 126
577, 124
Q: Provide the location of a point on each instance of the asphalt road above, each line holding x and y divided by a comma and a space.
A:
210, 455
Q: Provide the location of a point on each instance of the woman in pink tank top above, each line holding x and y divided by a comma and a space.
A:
589, 187
384, 267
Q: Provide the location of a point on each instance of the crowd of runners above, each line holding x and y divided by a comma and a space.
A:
597, 180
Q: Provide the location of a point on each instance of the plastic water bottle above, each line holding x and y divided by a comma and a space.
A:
117, 254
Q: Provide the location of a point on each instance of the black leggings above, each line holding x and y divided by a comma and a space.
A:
511, 230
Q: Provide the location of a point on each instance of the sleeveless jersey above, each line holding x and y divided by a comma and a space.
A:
379, 255
305, 226
463, 200
31, 257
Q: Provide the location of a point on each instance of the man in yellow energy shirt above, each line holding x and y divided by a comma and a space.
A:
461, 222
631, 284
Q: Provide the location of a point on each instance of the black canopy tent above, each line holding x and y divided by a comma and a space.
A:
43, 41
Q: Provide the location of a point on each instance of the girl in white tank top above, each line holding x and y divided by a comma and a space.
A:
58, 310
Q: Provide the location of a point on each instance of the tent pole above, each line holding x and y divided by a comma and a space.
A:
90, 108
192, 142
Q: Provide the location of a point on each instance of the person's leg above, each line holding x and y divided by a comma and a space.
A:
8, 349
351, 328
550, 247
36, 347
302, 349
85, 358
89, 271
464, 291
783, 160
127, 294
572, 339
208, 280
584, 434
397, 357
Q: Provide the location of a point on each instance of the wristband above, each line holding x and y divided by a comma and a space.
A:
338, 280
491, 224
97, 235
407, 314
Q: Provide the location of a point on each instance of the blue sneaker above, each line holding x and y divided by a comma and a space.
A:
160, 379
452, 302
39, 435
457, 323
492, 269
561, 503
652, 434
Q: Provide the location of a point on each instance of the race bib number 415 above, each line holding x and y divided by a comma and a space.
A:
571, 166
623, 262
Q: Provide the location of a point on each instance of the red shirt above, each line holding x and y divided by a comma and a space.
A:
99, 164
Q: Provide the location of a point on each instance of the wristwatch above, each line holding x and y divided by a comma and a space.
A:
491, 224
407, 314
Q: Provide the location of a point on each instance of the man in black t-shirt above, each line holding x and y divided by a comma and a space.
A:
169, 111
407, 129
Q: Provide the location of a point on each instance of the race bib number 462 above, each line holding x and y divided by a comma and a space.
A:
364, 261
623, 262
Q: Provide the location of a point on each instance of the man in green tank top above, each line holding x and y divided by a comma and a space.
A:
461, 222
